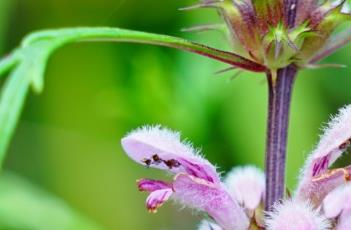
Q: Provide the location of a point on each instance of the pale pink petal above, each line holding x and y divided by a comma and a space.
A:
246, 185
338, 205
148, 185
344, 222
317, 188
157, 198
211, 198
161, 148
207, 225
337, 201
332, 144
295, 215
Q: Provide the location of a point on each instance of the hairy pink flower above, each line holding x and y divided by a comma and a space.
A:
322, 199
317, 180
296, 215
338, 205
247, 186
196, 184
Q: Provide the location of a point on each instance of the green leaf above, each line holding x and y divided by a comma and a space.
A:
9, 62
12, 99
121, 35
29, 62
24, 206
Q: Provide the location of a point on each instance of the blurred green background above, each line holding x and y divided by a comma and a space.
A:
67, 142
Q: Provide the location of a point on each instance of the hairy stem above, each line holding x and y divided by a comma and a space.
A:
280, 90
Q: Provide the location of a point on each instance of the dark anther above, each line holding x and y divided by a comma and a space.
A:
344, 145
147, 162
172, 163
156, 159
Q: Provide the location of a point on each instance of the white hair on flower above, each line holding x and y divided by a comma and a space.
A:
336, 133
164, 138
247, 185
316, 179
162, 148
295, 215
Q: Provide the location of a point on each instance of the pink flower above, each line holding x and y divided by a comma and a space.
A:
317, 180
337, 205
296, 215
247, 186
196, 183
321, 200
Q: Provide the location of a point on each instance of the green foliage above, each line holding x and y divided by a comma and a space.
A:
29, 63
23, 206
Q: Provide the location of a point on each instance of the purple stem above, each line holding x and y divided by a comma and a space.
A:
278, 121
280, 90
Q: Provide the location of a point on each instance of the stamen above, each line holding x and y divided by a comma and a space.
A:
156, 159
147, 162
345, 145
172, 163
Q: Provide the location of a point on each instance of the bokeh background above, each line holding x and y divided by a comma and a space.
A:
67, 144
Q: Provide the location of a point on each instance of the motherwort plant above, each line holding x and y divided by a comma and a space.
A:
274, 37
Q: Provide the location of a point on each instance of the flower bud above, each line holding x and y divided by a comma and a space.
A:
277, 33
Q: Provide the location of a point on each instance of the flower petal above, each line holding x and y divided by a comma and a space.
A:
332, 144
316, 189
157, 198
211, 198
246, 185
344, 222
338, 204
295, 215
148, 185
161, 148
338, 201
